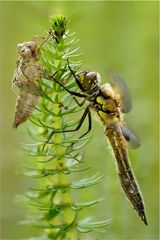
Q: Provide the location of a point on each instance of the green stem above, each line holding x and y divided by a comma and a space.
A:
58, 214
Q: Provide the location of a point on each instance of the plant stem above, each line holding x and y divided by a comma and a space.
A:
57, 213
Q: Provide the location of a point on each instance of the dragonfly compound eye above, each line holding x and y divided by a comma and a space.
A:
89, 80
91, 76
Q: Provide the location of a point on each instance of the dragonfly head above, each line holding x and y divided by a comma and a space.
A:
27, 49
88, 81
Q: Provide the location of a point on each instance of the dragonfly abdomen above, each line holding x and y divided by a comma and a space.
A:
24, 107
133, 194
127, 179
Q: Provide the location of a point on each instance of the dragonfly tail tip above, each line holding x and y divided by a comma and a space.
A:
144, 219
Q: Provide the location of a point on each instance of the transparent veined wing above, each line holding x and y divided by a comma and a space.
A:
120, 87
131, 137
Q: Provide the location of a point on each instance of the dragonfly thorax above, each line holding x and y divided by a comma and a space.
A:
107, 90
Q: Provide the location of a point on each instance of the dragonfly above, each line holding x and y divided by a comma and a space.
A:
26, 77
110, 102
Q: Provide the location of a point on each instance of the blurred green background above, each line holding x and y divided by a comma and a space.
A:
119, 35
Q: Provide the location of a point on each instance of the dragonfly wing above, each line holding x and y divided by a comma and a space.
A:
121, 88
131, 137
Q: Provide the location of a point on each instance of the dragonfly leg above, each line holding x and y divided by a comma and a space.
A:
64, 87
80, 103
69, 91
86, 112
72, 72
89, 124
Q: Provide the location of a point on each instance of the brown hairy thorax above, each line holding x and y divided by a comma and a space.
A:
27, 74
